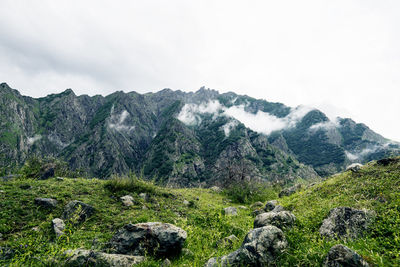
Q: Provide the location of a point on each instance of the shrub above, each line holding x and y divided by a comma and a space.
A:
130, 183
250, 191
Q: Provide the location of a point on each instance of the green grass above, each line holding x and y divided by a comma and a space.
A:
202, 220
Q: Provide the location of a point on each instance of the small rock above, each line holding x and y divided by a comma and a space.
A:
144, 196
25, 186
216, 189
290, 191
282, 219
60, 179
186, 203
230, 211
58, 226
258, 212
340, 255
144, 207
355, 167
35, 229
187, 253
270, 205
260, 247
82, 257
257, 205
227, 241
166, 263
77, 210
127, 200
242, 207
2, 191
346, 222
161, 239
46, 202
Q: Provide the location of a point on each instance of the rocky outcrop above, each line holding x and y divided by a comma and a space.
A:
230, 211
282, 219
82, 257
77, 211
127, 200
46, 202
355, 167
270, 205
346, 222
290, 191
341, 256
155, 238
260, 247
58, 226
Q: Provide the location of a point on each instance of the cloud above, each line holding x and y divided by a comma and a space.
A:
261, 122
326, 125
32, 140
229, 126
117, 122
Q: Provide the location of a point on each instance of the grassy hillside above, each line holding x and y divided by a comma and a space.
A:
26, 228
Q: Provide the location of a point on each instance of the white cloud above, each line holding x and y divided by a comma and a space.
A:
117, 122
32, 140
228, 127
189, 114
326, 125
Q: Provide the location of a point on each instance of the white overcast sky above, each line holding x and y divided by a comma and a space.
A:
342, 57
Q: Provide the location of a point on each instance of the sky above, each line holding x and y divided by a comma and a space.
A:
342, 57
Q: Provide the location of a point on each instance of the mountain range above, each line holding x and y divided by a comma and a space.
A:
182, 138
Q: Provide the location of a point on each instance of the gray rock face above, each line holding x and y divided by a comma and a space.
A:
160, 239
340, 255
260, 247
346, 222
270, 205
355, 167
230, 211
282, 219
46, 202
82, 257
58, 226
127, 200
290, 191
77, 210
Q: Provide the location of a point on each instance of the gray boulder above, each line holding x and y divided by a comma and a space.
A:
58, 226
127, 200
355, 167
282, 219
340, 255
290, 191
260, 247
346, 222
270, 205
77, 211
82, 257
230, 211
257, 205
46, 202
160, 239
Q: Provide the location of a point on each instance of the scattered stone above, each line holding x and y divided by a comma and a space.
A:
60, 179
258, 212
2, 191
35, 229
242, 207
127, 200
270, 205
25, 186
144, 207
387, 161
257, 205
186, 203
58, 226
187, 253
166, 263
260, 247
6, 253
160, 239
290, 191
47, 171
227, 241
46, 202
144, 196
340, 255
282, 219
82, 257
78, 211
216, 189
355, 167
346, 222
230, 211
278, 208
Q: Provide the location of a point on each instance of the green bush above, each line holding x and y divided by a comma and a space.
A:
250, 192
130, 183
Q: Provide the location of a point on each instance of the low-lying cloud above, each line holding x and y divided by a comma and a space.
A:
261, 122
117, 121
32, 140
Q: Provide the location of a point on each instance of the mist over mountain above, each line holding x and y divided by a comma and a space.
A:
180, 138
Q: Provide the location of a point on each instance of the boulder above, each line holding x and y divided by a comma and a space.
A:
290, 191
58, 226
77, 211
46, 202
270, 205
227, 241
47, 171
186, 203
127, 200
355, 167
282, 219
230, 211
387, 161
242, 207
160, 239
82, 257
340, 255
257, 205
346, 222
260, 247
278, 208
166, 263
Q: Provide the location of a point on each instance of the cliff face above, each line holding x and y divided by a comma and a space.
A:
178, 138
